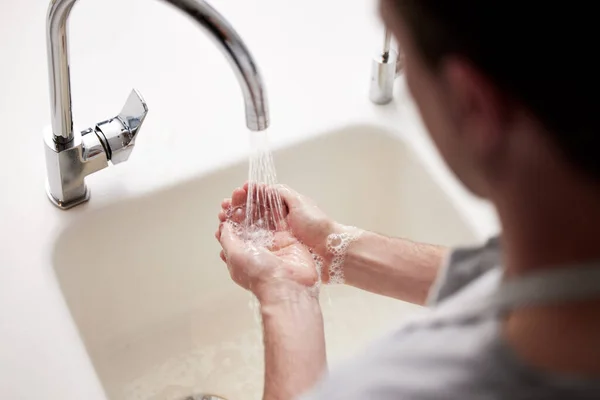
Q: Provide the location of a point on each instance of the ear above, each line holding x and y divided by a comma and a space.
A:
478, 108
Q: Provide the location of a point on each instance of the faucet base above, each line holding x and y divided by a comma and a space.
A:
65, 205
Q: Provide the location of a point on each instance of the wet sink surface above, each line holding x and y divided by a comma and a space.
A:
156, 308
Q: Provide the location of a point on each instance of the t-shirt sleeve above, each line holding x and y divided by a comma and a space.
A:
462, 267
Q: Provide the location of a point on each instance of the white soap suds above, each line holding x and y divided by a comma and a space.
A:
337, 246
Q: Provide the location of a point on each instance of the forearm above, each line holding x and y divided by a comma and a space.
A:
294, 339
393, 267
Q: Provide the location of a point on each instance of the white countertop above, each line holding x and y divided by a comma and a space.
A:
315, 58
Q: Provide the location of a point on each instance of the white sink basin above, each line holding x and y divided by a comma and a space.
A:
155, 306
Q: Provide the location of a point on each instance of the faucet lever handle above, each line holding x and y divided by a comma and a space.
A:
133, 112
121, 131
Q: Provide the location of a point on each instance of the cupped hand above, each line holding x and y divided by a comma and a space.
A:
271, 271
308, 224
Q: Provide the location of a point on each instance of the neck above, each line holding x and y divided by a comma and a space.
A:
553, 222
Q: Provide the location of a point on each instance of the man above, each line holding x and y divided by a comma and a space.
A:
509, 92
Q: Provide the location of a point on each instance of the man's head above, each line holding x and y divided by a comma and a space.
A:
504, 87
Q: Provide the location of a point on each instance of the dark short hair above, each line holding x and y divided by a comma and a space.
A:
542, 53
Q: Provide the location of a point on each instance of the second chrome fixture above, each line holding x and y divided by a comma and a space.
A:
386, 66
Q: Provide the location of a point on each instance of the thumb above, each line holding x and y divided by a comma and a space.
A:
290, 197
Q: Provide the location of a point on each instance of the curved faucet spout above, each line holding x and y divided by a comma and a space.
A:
230, 43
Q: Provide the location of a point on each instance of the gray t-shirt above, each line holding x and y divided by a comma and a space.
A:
456, 352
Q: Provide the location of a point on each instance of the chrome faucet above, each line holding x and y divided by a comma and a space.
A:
71, 156
385, 68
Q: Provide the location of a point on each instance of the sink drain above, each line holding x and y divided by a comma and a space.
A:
205, 397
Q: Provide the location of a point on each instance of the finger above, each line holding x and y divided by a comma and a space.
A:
222, 216
255, 188
238, 215
290, 197
229, 239
262, 194
226, 203
266, 205
259, 202
238, 198
223, 256
219, 231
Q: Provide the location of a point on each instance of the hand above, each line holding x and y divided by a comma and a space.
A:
306, 221
272, 273
283, 276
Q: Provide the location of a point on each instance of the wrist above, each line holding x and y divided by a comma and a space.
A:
330, 229
337, 248
283, 292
